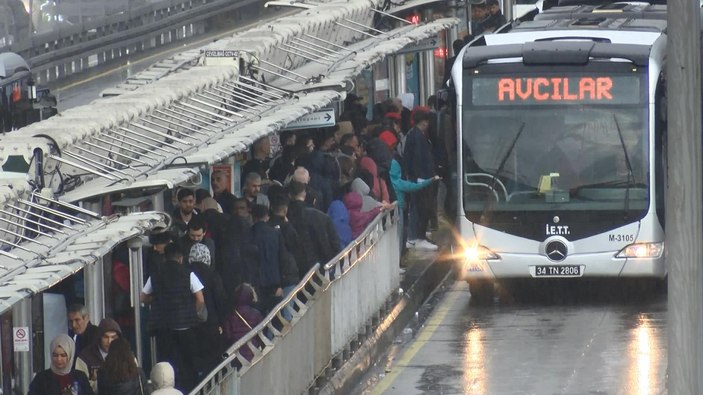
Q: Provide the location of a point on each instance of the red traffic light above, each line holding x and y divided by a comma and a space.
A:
413, 18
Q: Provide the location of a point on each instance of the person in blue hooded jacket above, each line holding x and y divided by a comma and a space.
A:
339, 215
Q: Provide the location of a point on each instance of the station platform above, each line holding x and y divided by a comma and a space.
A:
423, 272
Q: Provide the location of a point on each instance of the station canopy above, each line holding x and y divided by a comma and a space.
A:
162, 134
43, 241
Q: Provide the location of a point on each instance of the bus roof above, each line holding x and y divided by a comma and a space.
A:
10, 63
611, 23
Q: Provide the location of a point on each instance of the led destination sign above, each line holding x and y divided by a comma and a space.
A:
571, 89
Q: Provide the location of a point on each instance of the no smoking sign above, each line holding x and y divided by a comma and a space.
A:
20, 338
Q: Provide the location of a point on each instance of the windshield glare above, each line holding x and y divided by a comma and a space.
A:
572, 156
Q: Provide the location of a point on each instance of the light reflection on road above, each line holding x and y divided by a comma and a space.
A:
475, 362
644, 353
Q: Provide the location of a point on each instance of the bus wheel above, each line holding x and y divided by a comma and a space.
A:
481, 290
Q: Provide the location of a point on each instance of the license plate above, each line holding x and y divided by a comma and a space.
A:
558, 271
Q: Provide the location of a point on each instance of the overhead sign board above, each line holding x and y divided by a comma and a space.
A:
221, 57
550, 89
318, 119
427, 44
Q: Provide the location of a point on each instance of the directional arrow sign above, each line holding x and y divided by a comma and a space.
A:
426, 44
317, 119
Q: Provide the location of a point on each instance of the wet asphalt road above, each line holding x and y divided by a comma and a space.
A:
558, 339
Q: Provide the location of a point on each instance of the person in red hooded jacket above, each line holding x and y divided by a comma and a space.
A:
379, 189
358, 220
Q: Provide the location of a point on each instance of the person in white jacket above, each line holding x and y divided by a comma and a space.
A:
163, 380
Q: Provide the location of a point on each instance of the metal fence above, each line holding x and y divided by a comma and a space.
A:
331, 308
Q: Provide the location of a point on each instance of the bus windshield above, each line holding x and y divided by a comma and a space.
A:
545, 141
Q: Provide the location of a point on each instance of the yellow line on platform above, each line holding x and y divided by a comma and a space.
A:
425, 335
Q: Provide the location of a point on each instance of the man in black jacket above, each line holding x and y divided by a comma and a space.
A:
419, 165
316, 232
221, 190
289, 268
177, 306
457, 46
197, 233
218, 307
185, 211
83, 332
265, 274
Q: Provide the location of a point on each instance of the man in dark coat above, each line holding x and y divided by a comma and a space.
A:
217, 307
265, 273
419, 166
177, 306
82, 331
196, 233
260, 159
316, 232
185, 211
216, 224
457, 45
221, 190
289, 268
495, 17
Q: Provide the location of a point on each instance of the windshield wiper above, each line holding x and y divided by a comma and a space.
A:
494, 176
630, 176
610, 184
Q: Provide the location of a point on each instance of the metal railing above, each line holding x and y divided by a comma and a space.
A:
330, 308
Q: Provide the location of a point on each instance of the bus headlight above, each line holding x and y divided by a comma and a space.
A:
642, 250
476, 253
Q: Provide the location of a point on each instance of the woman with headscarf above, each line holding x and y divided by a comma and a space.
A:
120, 374
217, 303
60, 379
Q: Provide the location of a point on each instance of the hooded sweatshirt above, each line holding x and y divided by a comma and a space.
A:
379, 187
91, 358
243, 318
402, 186
163, 379
357, 219
340, 218
367, 202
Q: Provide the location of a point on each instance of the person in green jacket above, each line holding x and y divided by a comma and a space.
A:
401, 186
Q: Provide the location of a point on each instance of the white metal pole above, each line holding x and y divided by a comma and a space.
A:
95, 290
136, 275
22, 317
508, 9
401, 83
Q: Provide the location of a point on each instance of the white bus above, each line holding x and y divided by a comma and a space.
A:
562, 131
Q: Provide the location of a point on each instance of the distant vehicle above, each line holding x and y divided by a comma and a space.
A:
21, 101
562, 125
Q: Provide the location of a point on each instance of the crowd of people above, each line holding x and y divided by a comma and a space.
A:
94, 359
229, 259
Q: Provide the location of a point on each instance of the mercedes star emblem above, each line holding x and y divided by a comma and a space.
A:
556, 251
556, 219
